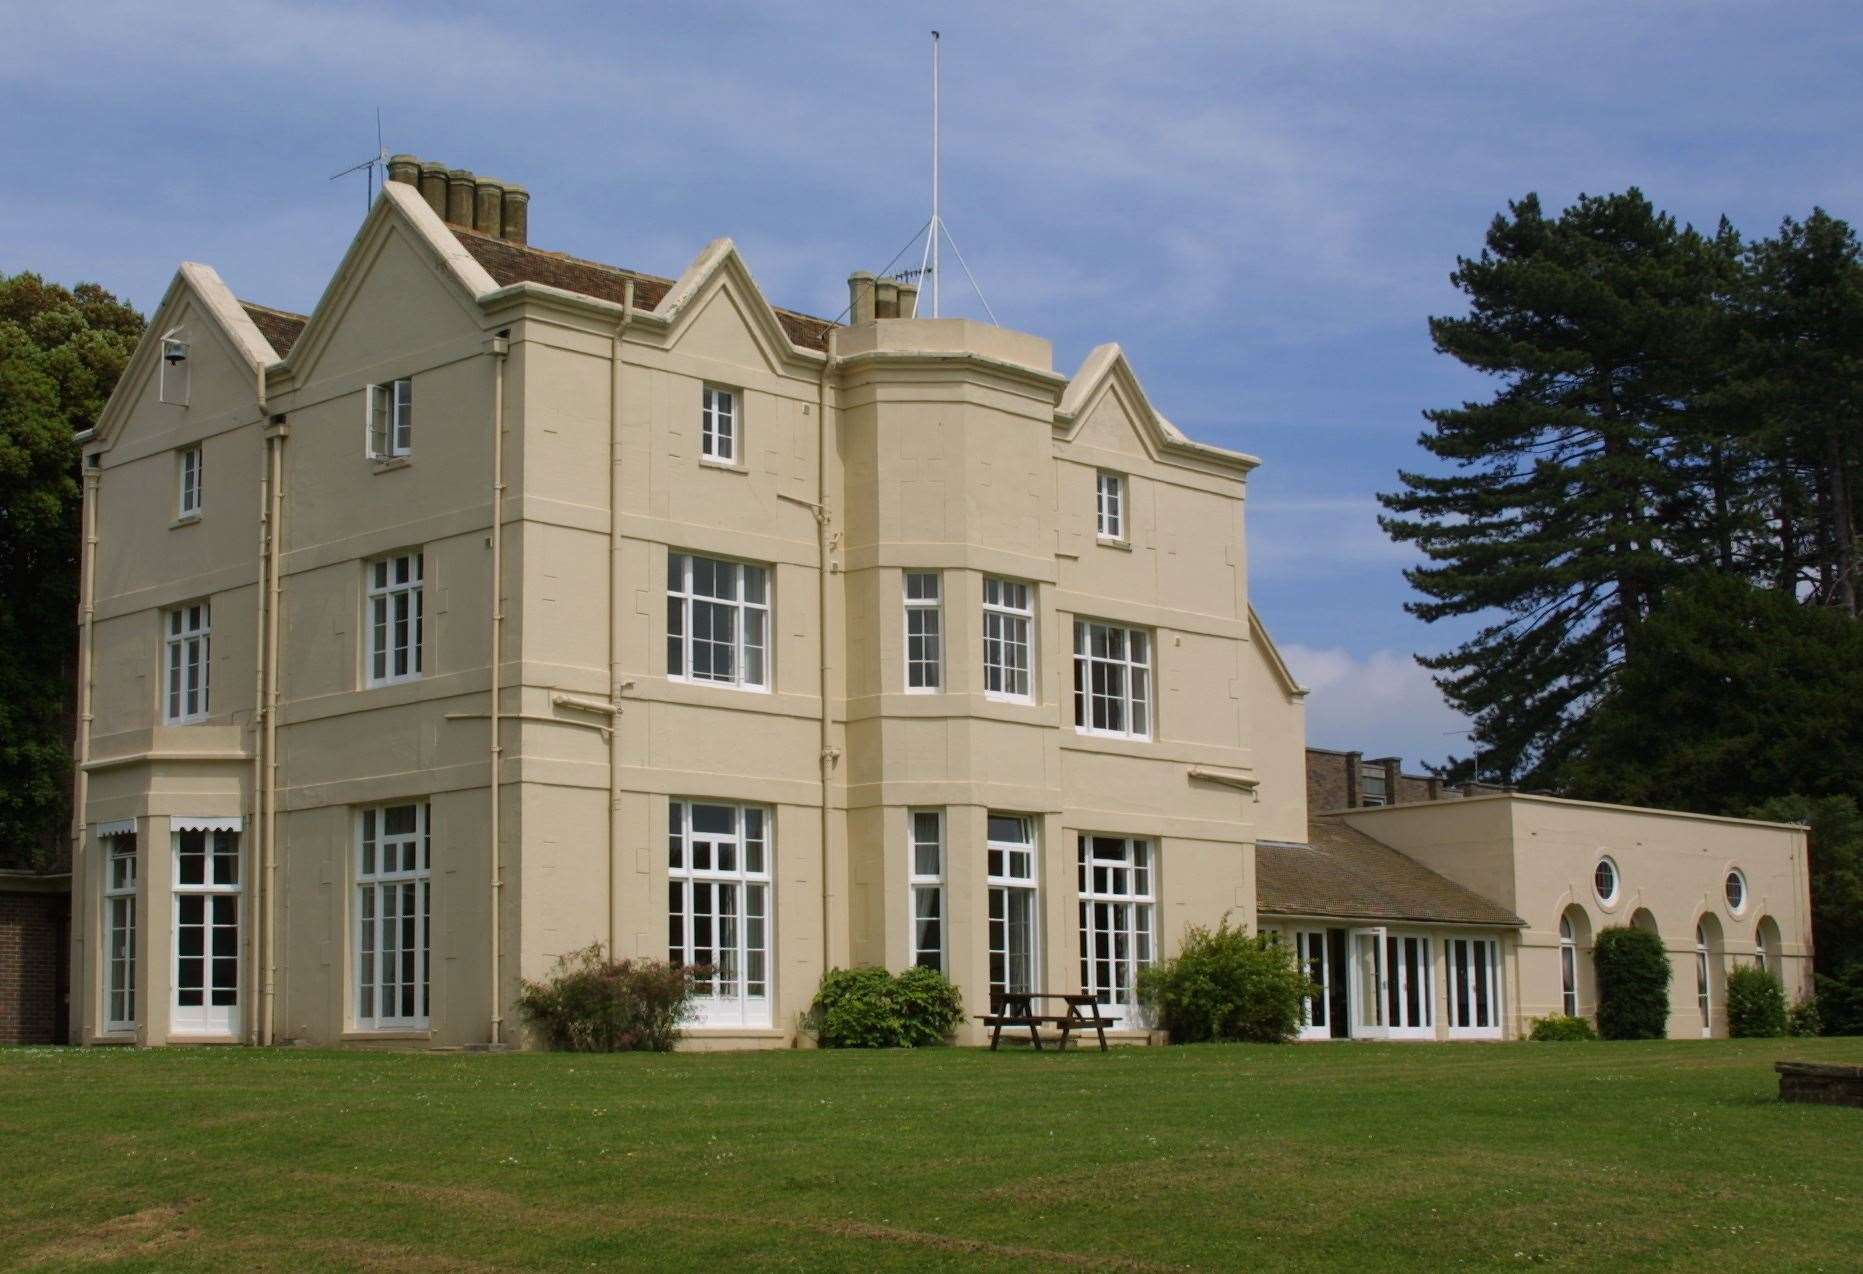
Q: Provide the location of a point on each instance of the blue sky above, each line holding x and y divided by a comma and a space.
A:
1261, 202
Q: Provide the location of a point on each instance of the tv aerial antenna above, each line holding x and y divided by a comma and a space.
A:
380, 157
935, 232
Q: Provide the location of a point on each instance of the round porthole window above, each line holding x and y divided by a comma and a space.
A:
1736, 891
1604, 880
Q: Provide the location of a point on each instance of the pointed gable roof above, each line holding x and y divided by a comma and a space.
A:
1107, 370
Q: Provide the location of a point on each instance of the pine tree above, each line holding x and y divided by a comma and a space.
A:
60, 355
1572, 498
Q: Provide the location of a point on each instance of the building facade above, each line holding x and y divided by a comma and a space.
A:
510, 603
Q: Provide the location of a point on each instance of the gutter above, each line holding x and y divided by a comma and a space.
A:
275, 436
81, 747
614, 609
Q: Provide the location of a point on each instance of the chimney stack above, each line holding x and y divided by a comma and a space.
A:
859, 298
870, 298
461, 198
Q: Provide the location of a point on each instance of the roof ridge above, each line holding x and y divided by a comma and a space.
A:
272, 309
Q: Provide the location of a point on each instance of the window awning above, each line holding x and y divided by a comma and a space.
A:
120, 827
192, 823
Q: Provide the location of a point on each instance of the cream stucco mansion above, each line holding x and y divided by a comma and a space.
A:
510, 603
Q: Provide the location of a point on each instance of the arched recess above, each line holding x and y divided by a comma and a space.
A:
1766, 940
1642, 918
1577, 983
1710, 975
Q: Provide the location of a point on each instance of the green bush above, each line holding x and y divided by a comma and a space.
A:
1557, 1026
1633, 984
867, 1007
1840, 1001
1755, 1003
1802, 1018
930, 1007
590, 1004
1225, 985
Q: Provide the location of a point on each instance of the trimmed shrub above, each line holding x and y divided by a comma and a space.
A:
1557, 1026
1755, 1003
1225, 985
930, 1007
1802, 1018
867, 1007
1633, 984
590, 1004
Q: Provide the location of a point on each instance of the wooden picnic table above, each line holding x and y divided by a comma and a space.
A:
1017, 1008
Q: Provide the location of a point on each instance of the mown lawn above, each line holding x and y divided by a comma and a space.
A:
1670, 1155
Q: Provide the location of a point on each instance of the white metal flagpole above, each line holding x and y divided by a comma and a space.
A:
936, 224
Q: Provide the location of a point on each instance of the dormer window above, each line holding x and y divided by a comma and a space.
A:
174, 388
389, 419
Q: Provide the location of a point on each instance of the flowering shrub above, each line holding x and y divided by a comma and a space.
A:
590, 1004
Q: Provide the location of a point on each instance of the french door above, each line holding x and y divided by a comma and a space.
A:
206, 932
1369, 982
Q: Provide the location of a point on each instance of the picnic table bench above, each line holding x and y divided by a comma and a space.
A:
1017, 1008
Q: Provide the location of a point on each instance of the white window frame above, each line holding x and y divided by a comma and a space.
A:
923, 593
721, 425
1604, 864
1117, 877
219, 844
191, 473
1734, 874
1110, 506
926, 916
187, 663
387, 899
396, 598
1474, 987
121, 870
1126, 677
1008, 639
1013, 878
1704, 982
1383, 779
742, 987
684, 607
1311, 951
388, 419
1568, 968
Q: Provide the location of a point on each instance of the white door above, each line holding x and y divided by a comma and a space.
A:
206, 933
1368, 984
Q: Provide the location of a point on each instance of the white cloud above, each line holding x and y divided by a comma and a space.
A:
1302, 538
1382, 704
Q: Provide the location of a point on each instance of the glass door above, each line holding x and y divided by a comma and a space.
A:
1369, 984
206, 933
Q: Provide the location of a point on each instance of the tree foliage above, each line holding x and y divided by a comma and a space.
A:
60, 355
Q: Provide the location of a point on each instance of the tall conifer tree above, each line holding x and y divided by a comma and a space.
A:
1568, 503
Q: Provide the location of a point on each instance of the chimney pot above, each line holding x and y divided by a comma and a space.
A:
404, 168
886, 298
860, 298
433, 187
515, 226
908, 300
459, 197
488, 211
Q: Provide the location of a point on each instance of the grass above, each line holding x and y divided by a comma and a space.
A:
1672, 1155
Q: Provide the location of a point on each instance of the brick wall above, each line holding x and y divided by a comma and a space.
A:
34, 972
1332, 780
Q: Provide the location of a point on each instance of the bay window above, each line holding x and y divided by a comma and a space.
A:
926, 885
120, 871
1008, 639
924, 632
1012, 883
206, 927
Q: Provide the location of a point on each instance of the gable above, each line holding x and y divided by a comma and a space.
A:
391, 301
224, 358
1112, 424
720, 329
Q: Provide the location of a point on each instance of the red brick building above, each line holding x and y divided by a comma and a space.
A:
35, 926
